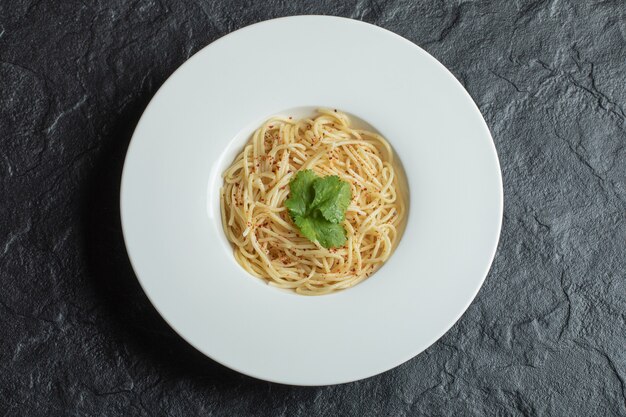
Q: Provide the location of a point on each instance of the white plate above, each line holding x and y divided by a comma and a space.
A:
204, 113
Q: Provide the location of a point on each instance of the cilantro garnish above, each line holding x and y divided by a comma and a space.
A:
318, 207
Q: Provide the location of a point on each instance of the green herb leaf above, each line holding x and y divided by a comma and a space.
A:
332, 197
318, 229
318, 207
302, 193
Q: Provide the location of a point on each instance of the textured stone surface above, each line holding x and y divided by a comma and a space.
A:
546, 334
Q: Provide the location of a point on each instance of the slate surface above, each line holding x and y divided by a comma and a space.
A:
546, 334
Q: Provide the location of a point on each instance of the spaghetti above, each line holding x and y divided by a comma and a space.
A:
267, 243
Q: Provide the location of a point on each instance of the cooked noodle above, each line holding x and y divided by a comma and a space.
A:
266, 242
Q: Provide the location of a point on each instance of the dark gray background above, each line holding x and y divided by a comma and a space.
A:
546, 334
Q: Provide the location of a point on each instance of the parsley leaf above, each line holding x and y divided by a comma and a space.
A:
318, 229
318, 207
332, 197
301, 193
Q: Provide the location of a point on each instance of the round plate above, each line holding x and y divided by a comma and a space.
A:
201, 117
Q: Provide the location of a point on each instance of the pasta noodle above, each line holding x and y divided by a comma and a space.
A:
267, 243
